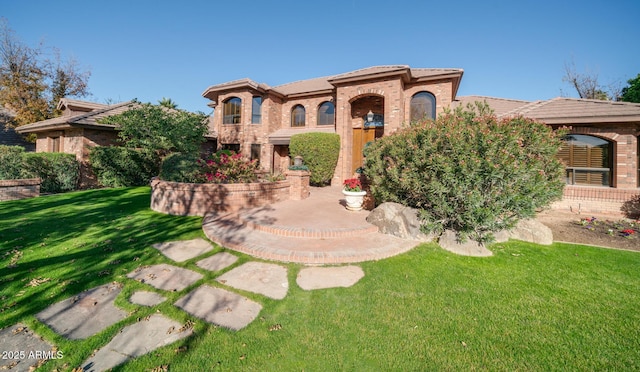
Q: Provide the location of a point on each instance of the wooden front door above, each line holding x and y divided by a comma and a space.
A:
361, 136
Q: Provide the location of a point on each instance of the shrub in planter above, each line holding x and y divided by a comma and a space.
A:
11, 162
468, 170
59, 172
228, 167
179, 167
320, 153
121, 166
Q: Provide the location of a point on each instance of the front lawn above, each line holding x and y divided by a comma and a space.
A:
529, 307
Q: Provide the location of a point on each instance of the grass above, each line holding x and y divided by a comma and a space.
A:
528, 307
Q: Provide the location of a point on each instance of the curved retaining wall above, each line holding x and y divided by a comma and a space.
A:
19, 189
196, 199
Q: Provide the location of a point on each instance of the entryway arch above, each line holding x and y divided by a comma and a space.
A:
367, 124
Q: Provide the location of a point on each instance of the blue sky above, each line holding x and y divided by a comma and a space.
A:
153, 49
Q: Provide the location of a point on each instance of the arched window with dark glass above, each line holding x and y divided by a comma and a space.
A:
326, 114
587, 159
232, 109
298, 116
423, 106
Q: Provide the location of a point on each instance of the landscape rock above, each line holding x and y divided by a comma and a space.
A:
448, 241
398, 220
532, 231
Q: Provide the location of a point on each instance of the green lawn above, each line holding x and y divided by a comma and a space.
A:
529, 307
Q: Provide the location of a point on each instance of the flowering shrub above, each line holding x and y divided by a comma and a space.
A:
468, 170
228, 167
352, 184
627, 232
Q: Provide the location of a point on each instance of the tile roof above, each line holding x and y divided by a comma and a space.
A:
499, 105
327, 83
283, 136
563, 110
8, 135
88, 119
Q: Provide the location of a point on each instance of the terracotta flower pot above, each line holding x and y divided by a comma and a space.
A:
354, 199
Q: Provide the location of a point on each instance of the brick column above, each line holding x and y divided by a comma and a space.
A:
299, 184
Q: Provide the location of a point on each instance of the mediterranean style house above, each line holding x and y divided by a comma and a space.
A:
601, 151
360, 105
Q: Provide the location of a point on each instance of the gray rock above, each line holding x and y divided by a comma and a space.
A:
23, 349
449, 242
258, 277
532, 231
398, 220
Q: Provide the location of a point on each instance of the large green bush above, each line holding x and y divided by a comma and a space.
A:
320, 153
59, 172
10, 162
121, 166
179, 167
468, 170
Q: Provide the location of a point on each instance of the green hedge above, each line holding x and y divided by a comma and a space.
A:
59, 172
179, 167
11, 162
319, 152
120, 166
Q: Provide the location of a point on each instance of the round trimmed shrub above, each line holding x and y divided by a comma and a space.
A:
468, 170
320, 153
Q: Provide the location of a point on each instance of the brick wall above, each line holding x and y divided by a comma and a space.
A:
19, 189
597, 200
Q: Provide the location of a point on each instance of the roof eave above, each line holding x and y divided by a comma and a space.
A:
405, 73
589, 120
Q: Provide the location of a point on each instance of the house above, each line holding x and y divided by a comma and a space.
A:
76, 131
601, 151
259, 120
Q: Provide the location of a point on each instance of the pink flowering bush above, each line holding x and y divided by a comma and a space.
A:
468, 171
221, 167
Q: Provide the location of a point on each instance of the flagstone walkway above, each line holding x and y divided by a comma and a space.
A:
92, 311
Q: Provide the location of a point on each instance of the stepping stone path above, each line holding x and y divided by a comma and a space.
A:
218, 261
184, 250
19, 338
154, 332
92, 311
165, 277
311, 278
266, 279
86, 314
146, 298
220, 307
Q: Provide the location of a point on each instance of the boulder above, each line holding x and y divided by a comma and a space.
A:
449, 241
398, 220
533, 231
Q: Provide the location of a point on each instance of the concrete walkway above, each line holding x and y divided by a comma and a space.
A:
317, 230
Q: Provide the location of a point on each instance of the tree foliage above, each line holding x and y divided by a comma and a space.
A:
587, 84
159, 129
31, 83
468, 170
631, 93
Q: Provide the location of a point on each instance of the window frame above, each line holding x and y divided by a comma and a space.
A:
573, 161
296, 114
413, 106
256, 110
232, 111
323, 115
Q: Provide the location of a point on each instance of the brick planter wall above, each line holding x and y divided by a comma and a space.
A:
596, 200
196, 199
19, 189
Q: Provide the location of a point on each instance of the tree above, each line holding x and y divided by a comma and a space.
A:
586, 84
168, 103
159, 129
32, 84
631, 93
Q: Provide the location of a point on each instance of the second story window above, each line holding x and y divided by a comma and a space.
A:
256, 110
423, 106
297, 116
326, 114
231, 111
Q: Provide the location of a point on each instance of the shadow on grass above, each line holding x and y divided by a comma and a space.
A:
54, 247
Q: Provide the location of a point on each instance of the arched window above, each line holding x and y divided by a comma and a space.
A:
231, 111
423, 105
587, 160
297, 116
326, 114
